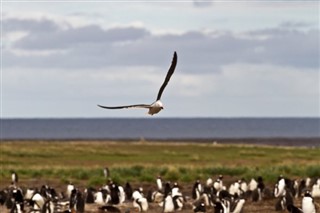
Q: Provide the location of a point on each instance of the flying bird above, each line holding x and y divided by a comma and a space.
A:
156, 106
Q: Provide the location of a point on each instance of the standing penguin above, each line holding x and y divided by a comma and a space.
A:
196, 190
167, 204
106, 172
14, 178
308, 203
159, 183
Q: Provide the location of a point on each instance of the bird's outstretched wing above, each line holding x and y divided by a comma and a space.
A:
169, 74
127, 106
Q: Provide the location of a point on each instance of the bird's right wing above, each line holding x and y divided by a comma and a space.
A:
168, 76
127, 106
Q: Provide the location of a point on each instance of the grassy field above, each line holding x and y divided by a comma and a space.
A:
143, 161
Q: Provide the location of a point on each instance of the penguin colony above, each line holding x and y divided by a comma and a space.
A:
211, 196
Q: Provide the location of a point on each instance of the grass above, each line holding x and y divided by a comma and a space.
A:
143, 161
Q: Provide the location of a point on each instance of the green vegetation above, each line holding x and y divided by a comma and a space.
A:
143, 161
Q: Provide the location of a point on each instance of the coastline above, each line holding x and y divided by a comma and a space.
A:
282, 142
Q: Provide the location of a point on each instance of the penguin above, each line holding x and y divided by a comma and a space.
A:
178, 202
70, 187
100, 197
218, 184
37, 201
141, 204
48, 207
106, 172
89, 192
167, 204
80, 202
139, 201
220, 207
128, 191
14, 178
315, 191
253, 184
234, 189
167, 189
200, 208
3, 196
237, 205
137, 193
122, 195
176, 190
18, 202
114, 193
308, 205
159, 183
156, 197
293, 209
302, 187
281, 204
279, 188
209, 182
196, 190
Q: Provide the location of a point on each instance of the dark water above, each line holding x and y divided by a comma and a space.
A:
162, 128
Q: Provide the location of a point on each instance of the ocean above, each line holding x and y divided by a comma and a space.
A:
188, 129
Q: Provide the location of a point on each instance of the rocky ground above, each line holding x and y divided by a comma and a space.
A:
265, 206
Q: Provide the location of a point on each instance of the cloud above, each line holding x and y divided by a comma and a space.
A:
56, 66
29, 25
201, 52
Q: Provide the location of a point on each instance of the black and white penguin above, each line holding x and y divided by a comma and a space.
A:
141, 204
315, 189
259, 190
114, 193
3, 196
18, 201
308, 205
167, 189
220, 207
106, 173
139, 201
293, 209
302, 187
284, 201
237, 205
218, 184
128, 191
200, 208
280, 187
167, 204
89, 195
48, 207
37, 201
14, 178
80, 202
101, 197
159, 183
196, 190
70, 187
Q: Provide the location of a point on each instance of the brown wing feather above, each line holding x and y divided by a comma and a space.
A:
169, 74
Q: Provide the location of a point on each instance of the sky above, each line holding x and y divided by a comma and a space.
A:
235, 58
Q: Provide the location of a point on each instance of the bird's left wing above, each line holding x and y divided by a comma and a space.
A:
126, 106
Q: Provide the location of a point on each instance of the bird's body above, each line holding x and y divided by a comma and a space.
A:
156, 106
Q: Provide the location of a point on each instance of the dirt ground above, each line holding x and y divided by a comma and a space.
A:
264, 206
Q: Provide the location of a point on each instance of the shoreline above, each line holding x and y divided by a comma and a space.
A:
290, 142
